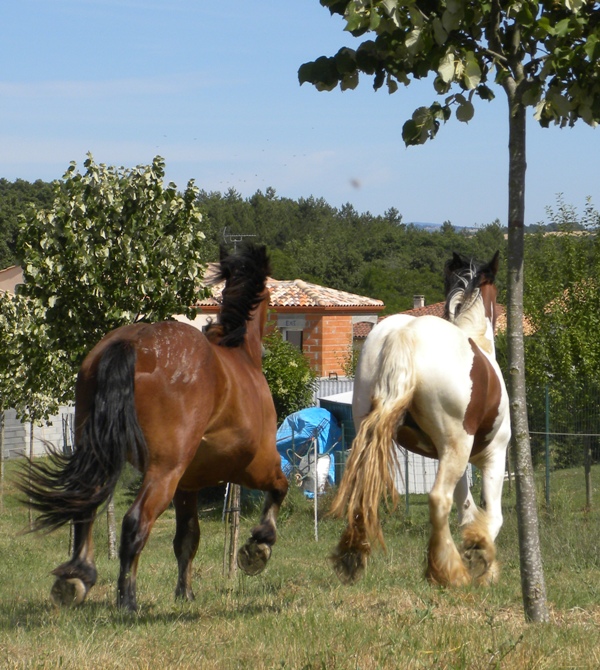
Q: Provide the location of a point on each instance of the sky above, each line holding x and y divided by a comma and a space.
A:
212, 87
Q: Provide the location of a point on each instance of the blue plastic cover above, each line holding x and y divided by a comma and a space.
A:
296, 434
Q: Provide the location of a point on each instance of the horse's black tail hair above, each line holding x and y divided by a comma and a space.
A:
72, 487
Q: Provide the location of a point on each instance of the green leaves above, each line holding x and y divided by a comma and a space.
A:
446, 67
323, 74
550, 51
115, 246
465, 111
288, 374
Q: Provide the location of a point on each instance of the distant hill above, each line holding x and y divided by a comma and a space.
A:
433, 227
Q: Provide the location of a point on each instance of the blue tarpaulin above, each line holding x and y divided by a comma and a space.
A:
296, 437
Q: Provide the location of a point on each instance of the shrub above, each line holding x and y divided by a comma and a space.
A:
288, 374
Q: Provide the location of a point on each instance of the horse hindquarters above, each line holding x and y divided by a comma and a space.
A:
73, 487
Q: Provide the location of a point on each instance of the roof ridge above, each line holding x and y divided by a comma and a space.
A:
310, 290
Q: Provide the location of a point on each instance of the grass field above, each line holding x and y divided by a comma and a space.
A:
296, 614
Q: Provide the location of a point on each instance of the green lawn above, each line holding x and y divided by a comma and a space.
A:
296, 614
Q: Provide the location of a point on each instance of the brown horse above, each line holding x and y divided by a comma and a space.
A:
188, 411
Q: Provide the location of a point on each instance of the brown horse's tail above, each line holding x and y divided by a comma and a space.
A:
369, 473
72, 487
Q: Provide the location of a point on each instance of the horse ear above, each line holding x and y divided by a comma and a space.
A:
453, 264
494, 263
490, 270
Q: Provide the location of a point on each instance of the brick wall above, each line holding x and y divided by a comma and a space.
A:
336, 343
312, 342
326, 341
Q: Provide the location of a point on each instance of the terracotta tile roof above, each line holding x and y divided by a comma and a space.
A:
437, 309
298, 293
361, 329
10, 278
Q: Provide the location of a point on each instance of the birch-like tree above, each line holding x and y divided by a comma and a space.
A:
543, 54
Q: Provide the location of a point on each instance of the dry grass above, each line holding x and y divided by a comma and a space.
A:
296, 614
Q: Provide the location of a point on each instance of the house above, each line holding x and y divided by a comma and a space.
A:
10, 278
317, 320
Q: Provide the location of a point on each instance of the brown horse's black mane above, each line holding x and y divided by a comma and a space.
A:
245, 276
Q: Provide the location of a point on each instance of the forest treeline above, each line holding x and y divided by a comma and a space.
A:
378, 256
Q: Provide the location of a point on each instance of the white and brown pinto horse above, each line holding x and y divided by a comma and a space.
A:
433, 386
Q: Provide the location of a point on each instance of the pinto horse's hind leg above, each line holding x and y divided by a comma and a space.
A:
478, 549
445, 566
187, 538
77, 576
465, 505
254, 555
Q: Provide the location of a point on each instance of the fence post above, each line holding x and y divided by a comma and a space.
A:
316, 489
547, 444
1, 460
406, 492
587, 464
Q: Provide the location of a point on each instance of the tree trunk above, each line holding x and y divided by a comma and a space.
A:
532, 573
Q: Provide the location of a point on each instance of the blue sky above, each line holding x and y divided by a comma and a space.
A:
212, 87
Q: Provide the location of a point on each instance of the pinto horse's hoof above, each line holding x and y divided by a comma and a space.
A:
480, 561
252, 558
68, 592
348, 564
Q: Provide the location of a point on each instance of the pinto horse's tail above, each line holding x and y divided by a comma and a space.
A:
72, 487
369, 473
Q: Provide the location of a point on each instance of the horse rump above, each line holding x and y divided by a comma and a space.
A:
72, 487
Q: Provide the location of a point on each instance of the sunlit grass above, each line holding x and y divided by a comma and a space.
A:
296, 614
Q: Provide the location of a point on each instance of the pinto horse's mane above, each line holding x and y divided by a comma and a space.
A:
245, 275
463, 280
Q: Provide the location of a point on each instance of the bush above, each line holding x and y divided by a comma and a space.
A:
288, 374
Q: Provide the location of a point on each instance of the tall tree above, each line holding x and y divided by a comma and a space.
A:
14, 197
562, 304
542, 53
116, 246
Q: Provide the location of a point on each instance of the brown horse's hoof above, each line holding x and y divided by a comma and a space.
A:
252, 558
68, 592
348, 564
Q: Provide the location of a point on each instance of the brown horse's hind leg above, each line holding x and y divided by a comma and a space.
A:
254, 555
153, 498
77, 576
187, 538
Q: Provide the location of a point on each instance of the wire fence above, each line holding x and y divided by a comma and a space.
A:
565, 431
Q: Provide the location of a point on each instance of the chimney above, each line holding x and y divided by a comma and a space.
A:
418, 301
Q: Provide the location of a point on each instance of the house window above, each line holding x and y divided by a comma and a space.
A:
293, 337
